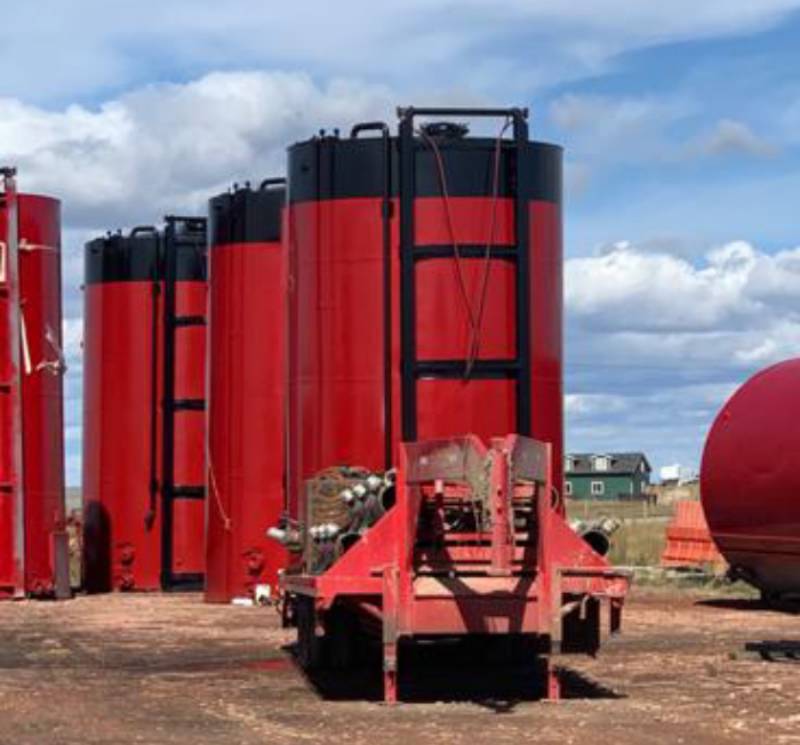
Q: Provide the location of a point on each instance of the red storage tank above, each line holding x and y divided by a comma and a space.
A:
33, 543
245, 423
750, 483
425, 291
144, 362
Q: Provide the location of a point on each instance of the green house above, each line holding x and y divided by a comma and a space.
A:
613, 476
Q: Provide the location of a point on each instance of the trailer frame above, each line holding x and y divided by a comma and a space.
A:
546, 582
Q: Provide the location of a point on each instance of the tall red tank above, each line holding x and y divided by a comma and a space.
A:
144, 362
245, 422
33, 542
425, 291
750, 483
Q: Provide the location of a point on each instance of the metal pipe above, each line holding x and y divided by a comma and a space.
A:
387, 497
346, 541
598, 533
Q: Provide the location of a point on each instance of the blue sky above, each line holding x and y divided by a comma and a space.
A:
681, 125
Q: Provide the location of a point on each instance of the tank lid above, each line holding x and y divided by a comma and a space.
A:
350, 168
138, 256
248, 215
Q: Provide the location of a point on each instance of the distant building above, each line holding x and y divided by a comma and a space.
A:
610, 476
676, 475
671, 492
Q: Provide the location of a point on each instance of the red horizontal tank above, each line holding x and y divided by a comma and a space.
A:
246, 375
750, 482
33, 543
425, 293
144, 361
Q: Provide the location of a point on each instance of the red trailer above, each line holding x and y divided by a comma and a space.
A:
33, 540
144, 360
245, 422
750, 483
425, 305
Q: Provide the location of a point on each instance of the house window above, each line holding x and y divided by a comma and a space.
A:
598, 488
568, 488
601, 463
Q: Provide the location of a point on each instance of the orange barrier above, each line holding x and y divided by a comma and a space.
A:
689, 542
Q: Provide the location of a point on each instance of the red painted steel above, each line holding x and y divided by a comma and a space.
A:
246, 375
336, 365
122, 525
750, 483
40, 546
42, 393
543, 580
12, 515
689, 542
335, 338
123, 436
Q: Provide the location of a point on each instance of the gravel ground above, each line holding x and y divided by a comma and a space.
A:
169, 669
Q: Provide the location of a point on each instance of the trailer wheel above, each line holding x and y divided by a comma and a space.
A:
309, 645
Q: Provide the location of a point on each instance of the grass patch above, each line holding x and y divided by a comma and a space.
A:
640, 540
639, 543
587, 509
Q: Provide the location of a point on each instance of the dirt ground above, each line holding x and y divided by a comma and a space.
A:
168, 669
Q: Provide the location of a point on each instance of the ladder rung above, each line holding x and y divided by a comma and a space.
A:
481, 369
467, 251
186, 491
190, 321
189, 404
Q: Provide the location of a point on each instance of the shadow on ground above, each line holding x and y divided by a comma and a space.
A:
776, 650
751, 605
452, 672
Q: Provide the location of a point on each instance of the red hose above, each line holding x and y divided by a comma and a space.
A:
476, 340
475, 318
449, 217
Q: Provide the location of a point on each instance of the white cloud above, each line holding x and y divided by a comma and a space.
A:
731, 136
169, 147
631, 290
644, 130
587, 404
398, 40
619, 130
656, 343
616, 116
654, 21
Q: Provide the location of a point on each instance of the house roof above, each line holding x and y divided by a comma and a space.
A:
621, 463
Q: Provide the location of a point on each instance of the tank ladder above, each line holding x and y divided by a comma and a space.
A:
413, 369
182, 235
